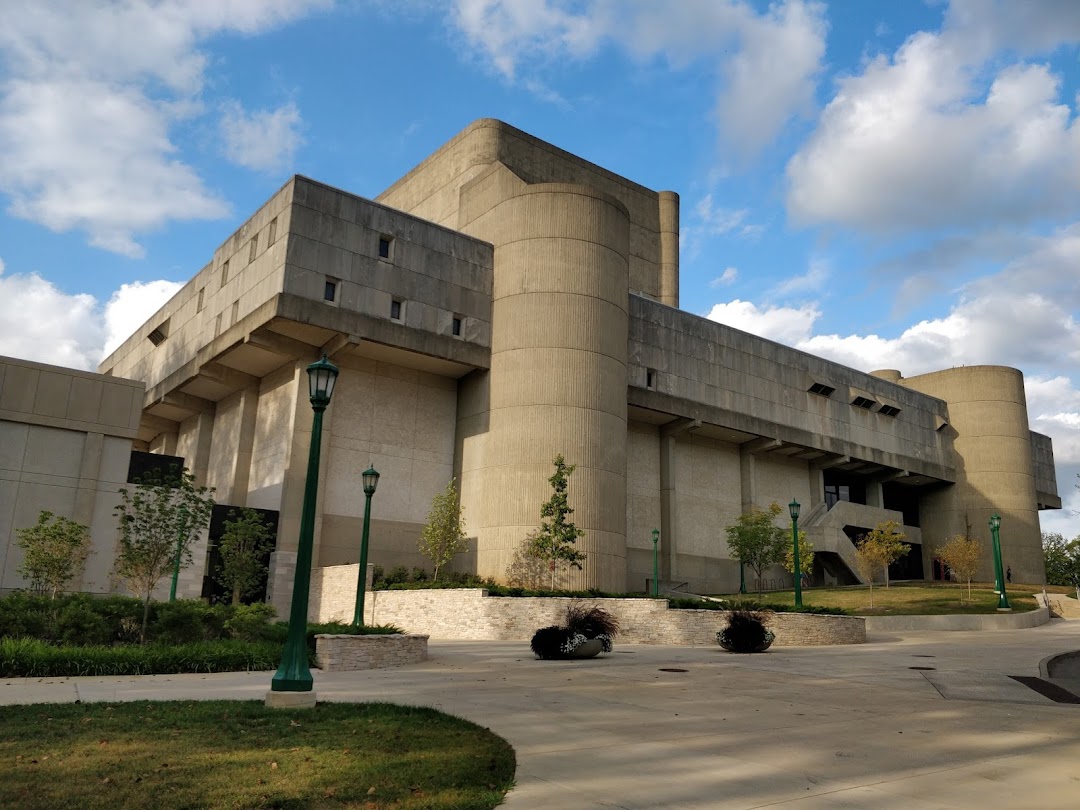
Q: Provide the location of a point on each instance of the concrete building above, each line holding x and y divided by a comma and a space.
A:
65, 446
507, 301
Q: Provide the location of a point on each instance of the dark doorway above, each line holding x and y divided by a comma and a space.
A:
212, 589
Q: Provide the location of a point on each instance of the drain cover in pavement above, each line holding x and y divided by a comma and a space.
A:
926, 669
673, 669
924, 656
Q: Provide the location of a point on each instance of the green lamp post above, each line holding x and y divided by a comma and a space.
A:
793, 509
999, 575
294, 675
371, 481
742, 577
655, 567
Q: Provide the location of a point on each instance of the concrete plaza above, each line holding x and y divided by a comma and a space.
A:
919, 721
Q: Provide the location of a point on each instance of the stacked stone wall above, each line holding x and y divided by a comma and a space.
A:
346, 653
472, 614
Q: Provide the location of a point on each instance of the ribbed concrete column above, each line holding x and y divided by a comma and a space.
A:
995, 472
558, 372
669, 248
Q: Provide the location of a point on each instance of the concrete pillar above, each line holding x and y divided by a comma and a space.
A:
669, 531
558, 368
249, 408
669, 248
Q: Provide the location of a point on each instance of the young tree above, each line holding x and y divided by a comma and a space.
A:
890, 544
962, 554
243, 545
1062, 558
756, 540
160, 518
444, 535
806, 556
557, 535
54, 552
871, 555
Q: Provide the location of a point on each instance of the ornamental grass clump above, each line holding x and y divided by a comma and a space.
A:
582, 624
746, 632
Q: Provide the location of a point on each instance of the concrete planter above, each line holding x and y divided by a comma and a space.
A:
346, 653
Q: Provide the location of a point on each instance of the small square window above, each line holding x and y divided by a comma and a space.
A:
821, 389
889, 410
224, 272
395, 310
272, 233
650, 378
384, 247
455, 327
202, 296
863, 402
254, 249
330, 290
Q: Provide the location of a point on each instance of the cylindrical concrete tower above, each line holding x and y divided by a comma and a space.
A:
558, 373
994, 467
669, 248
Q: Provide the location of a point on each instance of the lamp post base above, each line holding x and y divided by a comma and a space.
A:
290, 700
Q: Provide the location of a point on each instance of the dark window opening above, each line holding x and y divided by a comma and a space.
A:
395, 310
330, 291
840, 486
821, 389
909, 566
902, 498
889, 410
384, 247
212, 590
144, 466
650, 379
157, 337
863, 402
455, 327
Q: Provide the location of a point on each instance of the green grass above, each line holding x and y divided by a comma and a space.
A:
224, 754
911, 599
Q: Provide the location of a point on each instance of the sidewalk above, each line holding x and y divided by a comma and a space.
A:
806, 728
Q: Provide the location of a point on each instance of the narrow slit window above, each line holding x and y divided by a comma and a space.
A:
455, 327
395, 310
202, 297
254, 249
271, 235
224, 272
235, 312
330, 290
384, 247
650, 379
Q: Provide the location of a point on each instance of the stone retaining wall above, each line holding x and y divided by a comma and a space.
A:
344, 653
970, 621
469, 613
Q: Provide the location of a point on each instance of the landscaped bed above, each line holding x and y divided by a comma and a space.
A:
909, 599
240, 754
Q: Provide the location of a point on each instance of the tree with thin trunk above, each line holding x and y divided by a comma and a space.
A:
890, 544
962, 554
806, 556
245, 540
443, 537
160, 519
871, 555
557, 535
54, 552
756, 541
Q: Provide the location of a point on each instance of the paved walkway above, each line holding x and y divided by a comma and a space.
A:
802, 728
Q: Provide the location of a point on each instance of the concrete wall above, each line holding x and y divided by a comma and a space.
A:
471, 614
65, 446
994, 467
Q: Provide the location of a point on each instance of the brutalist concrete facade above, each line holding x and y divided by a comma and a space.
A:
507, 301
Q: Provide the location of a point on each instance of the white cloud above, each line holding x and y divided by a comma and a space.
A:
788, 325
724, 279
263, 140
922, 141
809, 282
39, 321
91, 94
759, 92
130, 306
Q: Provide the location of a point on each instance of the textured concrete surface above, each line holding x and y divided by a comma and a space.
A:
839, 727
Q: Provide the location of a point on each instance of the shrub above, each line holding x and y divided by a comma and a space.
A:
548, 643
399, 573
30, 658
186, 621
78, 623
23, 615
745, 632
251, 622
591, 622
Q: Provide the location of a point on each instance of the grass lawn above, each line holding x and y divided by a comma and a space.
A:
911, 599
226, 754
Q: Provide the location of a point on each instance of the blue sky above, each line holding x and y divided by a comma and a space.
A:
889, 184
